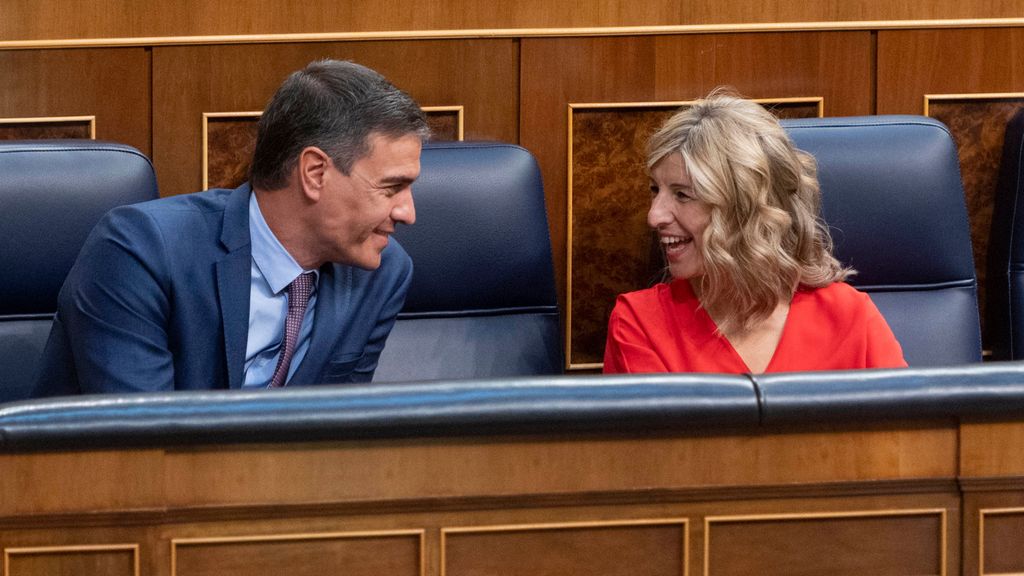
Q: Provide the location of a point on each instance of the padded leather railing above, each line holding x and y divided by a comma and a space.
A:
482, 303
1004, 286
552, 405
52, 193
891, 194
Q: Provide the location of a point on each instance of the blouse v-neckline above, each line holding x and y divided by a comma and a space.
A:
711, 327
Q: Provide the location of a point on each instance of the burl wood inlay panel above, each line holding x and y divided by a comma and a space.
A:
1002, 543
45, 130
978, 127
640, 550
72, 562
232, 139
311, 556
894, 545
444, 125
612, 250
230, 144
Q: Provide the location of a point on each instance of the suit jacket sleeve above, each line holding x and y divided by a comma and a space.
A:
113, 309
393, 303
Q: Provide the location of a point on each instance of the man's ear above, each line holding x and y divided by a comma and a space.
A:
312, 167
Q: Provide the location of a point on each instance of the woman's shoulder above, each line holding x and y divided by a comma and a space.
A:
839, 298
644, 295
662, 294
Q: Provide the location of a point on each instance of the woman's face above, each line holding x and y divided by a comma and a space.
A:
677, 217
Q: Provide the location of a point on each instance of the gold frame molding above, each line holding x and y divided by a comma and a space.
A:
928, 98
54, 120
555, 32
256, 114
8, 552
216, 540
941, 512
206, 137
573, 106
684, 522
981, 537
461, 114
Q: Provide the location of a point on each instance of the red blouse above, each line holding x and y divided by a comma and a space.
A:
664, 329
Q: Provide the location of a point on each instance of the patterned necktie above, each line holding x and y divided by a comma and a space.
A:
298, 299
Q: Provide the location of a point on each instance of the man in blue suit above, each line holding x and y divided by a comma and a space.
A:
290, 279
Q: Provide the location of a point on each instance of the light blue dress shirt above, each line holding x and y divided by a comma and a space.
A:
272, 270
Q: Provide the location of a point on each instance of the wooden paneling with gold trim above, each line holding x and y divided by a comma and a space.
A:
600, 503
111, 86
229, 139
607, 204
480, 75
98, 560
630, 547
350, 553
1000, 533
46, 128
886, 542
49, 19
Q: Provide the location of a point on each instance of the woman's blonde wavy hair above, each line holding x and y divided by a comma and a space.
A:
766, 236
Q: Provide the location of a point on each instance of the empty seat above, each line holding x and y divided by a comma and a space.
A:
482, 301
52, 193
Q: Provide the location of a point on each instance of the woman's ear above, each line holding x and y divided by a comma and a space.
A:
313, 166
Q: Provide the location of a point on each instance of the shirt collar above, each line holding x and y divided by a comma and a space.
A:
275, 263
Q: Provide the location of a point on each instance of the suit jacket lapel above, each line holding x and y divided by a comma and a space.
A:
233, 282
331, 301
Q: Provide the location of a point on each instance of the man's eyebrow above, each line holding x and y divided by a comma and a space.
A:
397, 179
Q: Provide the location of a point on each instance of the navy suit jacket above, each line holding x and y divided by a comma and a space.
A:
159, 300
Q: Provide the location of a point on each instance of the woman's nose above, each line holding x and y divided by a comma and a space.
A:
657, 215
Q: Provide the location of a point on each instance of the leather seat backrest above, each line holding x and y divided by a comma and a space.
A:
482, 301
52, 193
893, 198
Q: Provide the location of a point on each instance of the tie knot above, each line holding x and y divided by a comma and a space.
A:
299, 290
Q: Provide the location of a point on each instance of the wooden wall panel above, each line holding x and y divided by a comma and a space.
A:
100, 560
836, 66
300, 554
912, 63
50, 19
1001, 532
481, 75
84, 482
81, 127
878, 543
641, 548
110, 84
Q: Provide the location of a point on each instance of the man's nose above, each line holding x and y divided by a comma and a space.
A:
405, 210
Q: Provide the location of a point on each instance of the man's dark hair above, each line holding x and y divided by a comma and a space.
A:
334, 105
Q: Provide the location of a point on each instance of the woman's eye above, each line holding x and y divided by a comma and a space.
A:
682, 196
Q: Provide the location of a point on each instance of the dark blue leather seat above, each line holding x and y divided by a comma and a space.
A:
1004, 285
52, 193
893, 198
482, 302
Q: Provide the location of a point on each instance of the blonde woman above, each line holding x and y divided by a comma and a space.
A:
754, 286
